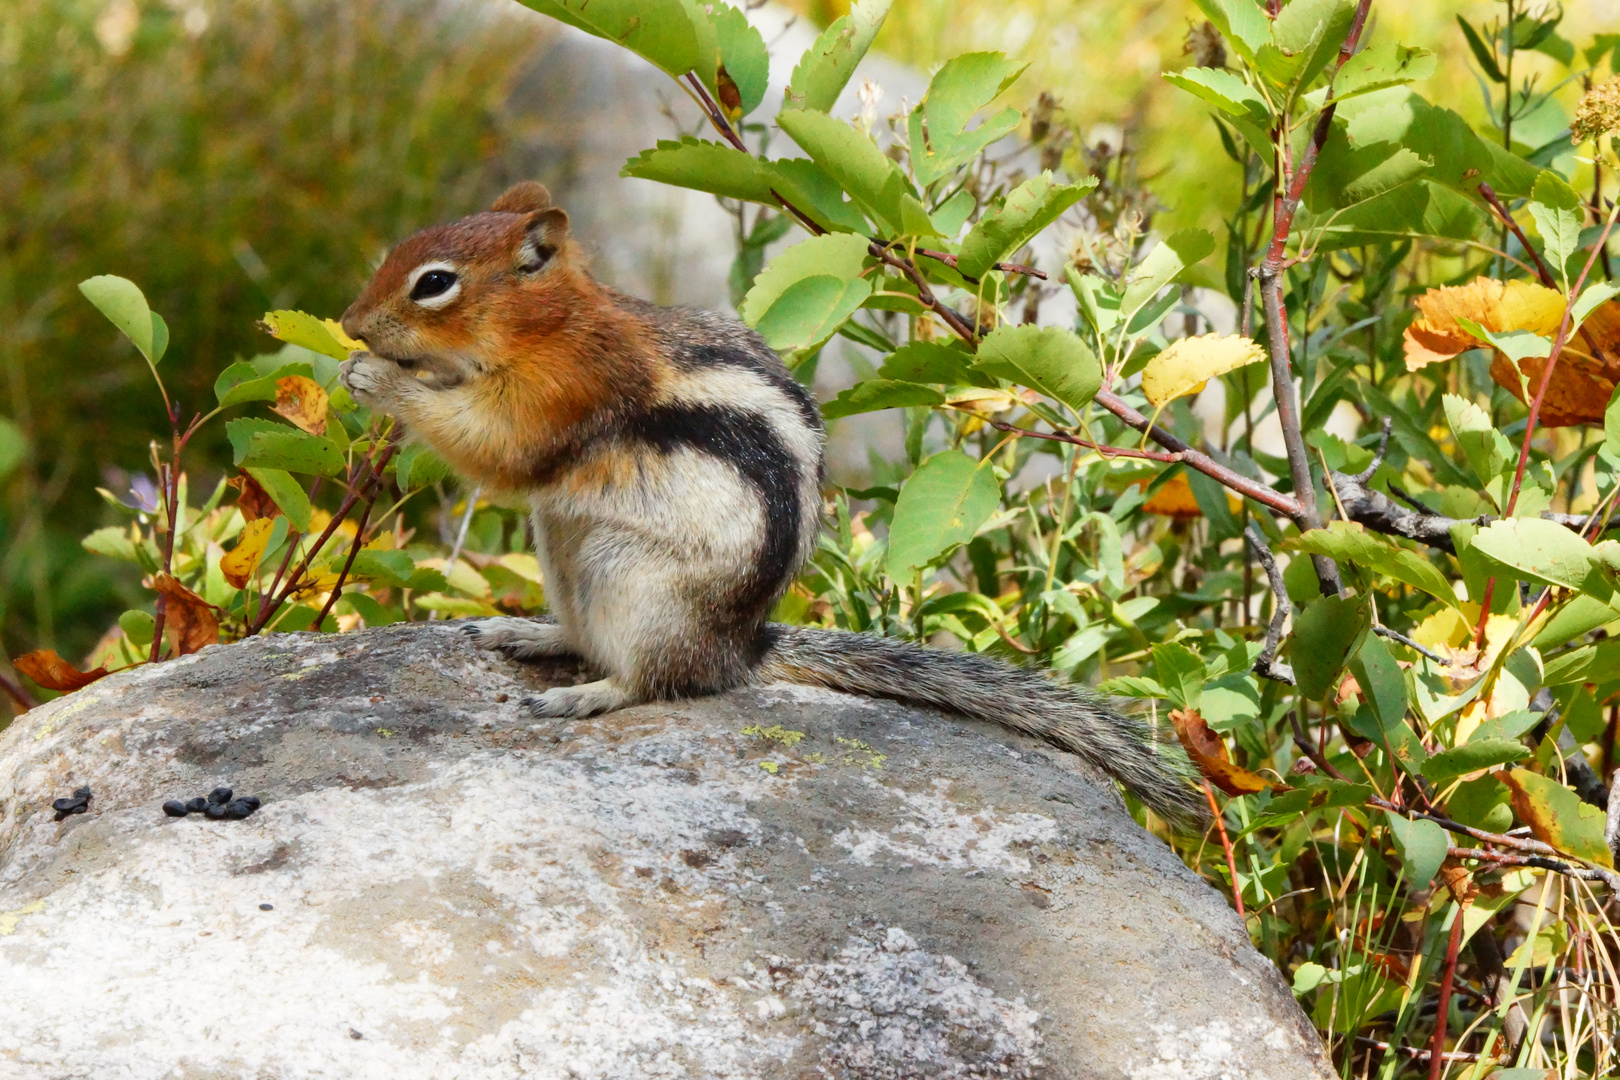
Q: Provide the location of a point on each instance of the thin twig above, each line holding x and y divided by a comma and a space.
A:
1489, 195
1226, 845
1413, 1052
17, 692
1266, 664
1378, 459
354, 549
1005, 267
1394, 635
1074, 440
1437, 1045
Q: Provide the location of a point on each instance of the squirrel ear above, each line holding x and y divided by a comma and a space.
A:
523, 198
542, 236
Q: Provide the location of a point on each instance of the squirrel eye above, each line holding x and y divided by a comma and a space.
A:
433, 283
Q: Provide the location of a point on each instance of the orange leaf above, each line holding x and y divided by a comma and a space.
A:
188, 621
54, 673
1495, 305
301, 400
1174, 499
254, 502
1209, 753
1585, 378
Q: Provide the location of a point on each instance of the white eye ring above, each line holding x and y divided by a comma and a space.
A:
441, 298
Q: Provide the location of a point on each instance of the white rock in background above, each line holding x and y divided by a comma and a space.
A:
455, 889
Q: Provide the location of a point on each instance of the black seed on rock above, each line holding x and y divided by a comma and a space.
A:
353, 1034
197, 805
252, 801
82, 793
215, 811
267, 907
240, 808
175, 808
220, 795
64, 806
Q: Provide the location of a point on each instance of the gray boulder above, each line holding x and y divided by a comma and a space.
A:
438, 885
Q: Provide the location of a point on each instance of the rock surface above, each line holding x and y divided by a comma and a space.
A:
438, 885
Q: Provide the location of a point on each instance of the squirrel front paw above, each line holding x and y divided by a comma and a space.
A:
371, 380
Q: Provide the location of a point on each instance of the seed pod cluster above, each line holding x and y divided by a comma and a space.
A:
77, 803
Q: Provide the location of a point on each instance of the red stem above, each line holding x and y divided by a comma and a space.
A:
1226, 845
1437, 1046
1489, 194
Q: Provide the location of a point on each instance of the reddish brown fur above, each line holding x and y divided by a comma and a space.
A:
545, 356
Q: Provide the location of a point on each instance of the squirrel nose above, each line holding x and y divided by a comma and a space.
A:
354, 322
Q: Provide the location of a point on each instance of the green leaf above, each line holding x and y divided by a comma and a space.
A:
660, 31
304, 330
1534, 549
1163, 264
1422, 846
940, 141
825, 68
1611, 425
417, 466
928, 362
13, 447
1474, 755
1241, 22
942, 505
1575, 618
1305, 35
1515, 344
112, 541
855, 163
266, 444
138, 627
392, 568
1049, 359
243, 382
1482, 53
1558, 817
125, 307
839, 255
1599, 292
1029, 208
1557, 213
1487, 450
874, 394
1326, 634
286, 493
1181, 673
1382, 683
1510, 176
1379, 67
810, 311
728, 172
1350, 541
1225, 90
742, 54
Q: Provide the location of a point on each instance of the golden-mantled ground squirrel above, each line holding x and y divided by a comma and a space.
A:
673, 467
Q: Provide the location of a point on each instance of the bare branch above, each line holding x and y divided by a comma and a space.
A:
1386, 632
1266, 664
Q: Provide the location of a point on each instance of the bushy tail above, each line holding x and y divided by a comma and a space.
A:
1072, 718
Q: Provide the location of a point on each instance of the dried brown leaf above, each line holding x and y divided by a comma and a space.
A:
54, 673
1209, 754
189, 622
254, 502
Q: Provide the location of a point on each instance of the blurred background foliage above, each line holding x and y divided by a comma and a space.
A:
233, 156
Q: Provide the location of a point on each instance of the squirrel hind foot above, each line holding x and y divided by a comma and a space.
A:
586, 699
519, 639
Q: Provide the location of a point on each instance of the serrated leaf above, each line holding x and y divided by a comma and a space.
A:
1305, 36
393, 568
1164, 264
1597, 293
1380, 67
112, 541
1487, 450
286, 493
1534, 549
744, 61
122, 301
853, 161
308, 332
265, 444
1028, 209
964, 84
941, 505
1473, 756
1224, 89
660, 31
1421, 845
1557, 816
826, 67
1049, 359
1326, 634
874, 394
838, 255
1556, 209
1188, 363
927, 362
810, 311
725, 171
1242, 22
1346, 541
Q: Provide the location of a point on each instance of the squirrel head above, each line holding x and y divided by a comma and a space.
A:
459, 301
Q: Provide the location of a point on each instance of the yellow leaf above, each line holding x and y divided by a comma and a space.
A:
335, 328
241, 561
1188, 363
302, 401
1496, 305
1173, 499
